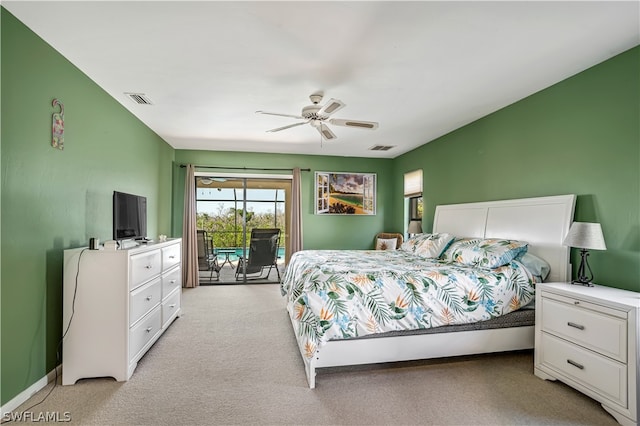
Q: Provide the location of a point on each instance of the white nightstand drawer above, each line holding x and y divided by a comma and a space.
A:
599, 374
170, 256
171, 281
143, 299
598, 331
170, 307
143, 332
144, 266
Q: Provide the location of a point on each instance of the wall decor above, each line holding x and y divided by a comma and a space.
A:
345, 193
57, 126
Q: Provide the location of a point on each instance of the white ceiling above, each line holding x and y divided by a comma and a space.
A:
420, 69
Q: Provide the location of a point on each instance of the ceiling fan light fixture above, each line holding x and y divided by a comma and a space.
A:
317, 115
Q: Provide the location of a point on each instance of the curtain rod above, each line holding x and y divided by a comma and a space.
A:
244, 168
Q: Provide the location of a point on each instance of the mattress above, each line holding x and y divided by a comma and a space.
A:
519, 318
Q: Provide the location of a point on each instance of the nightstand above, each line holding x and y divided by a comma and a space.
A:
587, 337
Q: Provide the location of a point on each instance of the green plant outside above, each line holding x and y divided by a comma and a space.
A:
225, 226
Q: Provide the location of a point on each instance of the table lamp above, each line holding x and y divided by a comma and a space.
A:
415, 227
585, 236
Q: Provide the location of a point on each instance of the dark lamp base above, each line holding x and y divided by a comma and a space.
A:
583, 279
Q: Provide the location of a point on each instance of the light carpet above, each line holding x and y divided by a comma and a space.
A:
232, 359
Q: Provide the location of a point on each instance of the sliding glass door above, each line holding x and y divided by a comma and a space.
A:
230, 209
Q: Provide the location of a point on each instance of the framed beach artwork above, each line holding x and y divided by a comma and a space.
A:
345, 193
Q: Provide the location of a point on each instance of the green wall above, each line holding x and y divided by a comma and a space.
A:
580, 136
319, 231
52, 199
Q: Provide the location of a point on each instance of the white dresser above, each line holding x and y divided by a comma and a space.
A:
117, 303
587, 337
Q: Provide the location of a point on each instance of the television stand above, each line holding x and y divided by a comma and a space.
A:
116, 304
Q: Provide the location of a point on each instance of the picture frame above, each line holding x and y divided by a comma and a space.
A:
345, 193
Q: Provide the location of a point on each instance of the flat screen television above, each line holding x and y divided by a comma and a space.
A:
129, 216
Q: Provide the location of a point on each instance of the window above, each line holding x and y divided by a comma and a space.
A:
413, 191
223, 205
415, 208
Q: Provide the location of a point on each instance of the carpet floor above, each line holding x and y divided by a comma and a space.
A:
231, 358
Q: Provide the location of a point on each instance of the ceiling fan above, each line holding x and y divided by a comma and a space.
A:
319, 115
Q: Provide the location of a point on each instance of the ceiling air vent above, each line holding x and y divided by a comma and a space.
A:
381, 147
139, 98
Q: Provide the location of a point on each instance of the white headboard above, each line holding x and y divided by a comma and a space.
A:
543, 222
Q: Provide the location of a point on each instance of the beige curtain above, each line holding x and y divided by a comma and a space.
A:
296, 213
189, 239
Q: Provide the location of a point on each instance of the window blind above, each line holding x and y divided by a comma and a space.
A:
413, 183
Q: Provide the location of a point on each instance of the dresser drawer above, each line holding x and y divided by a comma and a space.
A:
600, 374
143, 299
595, 330
170, 281
144, 331
144, 266
170, 307
170, 256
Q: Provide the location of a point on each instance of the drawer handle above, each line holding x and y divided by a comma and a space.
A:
149, 329
574, 325
149, 298
172, 281
575, 364
172, 257
173, 305
148, 267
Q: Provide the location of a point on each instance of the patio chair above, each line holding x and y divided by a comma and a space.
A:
207, 260
262, 253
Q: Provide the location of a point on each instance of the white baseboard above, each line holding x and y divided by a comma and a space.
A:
24, 396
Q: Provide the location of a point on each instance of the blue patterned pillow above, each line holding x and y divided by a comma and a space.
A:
485, 253
429, 246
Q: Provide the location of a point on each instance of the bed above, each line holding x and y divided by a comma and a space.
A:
346, 309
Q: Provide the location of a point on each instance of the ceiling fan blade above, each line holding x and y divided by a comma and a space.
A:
278, 114
331, 106
288, 127
372, 125
326, 132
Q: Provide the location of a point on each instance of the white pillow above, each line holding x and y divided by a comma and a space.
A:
386, 244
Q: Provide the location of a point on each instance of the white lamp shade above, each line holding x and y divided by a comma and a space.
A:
585, 235
415, 227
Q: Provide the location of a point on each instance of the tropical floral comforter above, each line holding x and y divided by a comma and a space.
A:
341, 294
